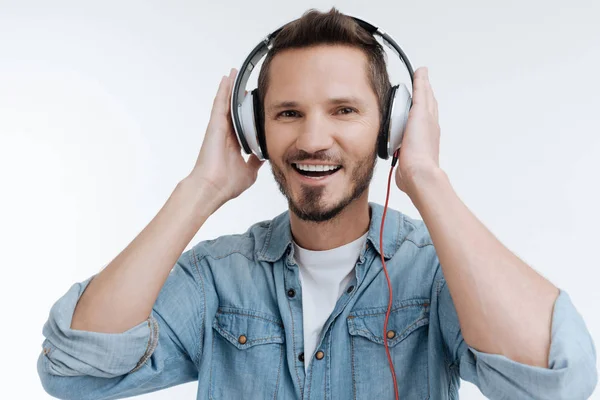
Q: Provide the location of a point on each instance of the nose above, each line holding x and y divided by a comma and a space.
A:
316, 134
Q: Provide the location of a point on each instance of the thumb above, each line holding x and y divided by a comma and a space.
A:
254, 163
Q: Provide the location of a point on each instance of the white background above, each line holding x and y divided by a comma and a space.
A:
103, 107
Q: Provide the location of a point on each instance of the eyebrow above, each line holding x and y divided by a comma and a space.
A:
333, 101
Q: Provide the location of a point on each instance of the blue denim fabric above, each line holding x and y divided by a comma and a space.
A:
226, 317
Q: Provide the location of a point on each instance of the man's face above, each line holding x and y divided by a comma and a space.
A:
321, 113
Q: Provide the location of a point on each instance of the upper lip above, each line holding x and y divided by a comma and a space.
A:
315, 163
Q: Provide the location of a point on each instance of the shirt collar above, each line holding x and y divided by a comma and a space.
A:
278, 239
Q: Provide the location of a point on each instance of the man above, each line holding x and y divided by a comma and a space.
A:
295, 307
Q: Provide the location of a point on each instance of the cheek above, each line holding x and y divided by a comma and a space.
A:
277, 139
359, 140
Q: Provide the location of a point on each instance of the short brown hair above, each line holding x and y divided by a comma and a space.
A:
318, 28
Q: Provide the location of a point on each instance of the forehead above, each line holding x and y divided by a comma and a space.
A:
319, 72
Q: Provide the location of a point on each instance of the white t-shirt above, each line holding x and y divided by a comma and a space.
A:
324, 276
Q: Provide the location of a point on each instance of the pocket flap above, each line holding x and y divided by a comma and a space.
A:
245, 328
405, 317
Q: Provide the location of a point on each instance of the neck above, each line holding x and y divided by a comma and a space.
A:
347, 226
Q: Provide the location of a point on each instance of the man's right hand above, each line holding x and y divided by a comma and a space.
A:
220, 162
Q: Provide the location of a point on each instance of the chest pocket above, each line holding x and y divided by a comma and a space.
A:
247, 354
407, 338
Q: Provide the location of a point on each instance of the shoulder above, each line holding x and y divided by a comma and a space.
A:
249, 244
416, 236
415, 249
244, 244
414, 231
400, 229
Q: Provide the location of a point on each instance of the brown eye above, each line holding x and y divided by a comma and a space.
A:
346, 110
288, 114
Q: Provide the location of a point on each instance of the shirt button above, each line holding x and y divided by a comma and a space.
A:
319, 355
350, 289
291, 292
301, 357
391, 334
242, 339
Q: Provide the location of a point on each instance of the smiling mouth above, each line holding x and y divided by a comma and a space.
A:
316, 171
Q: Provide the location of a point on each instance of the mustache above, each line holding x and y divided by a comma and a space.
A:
323, 155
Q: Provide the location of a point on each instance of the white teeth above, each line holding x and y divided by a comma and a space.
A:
322, 168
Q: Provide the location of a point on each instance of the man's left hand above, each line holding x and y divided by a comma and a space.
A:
420, 150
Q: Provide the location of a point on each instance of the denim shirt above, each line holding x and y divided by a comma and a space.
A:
228, 318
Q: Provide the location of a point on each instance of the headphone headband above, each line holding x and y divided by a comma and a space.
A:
262, 48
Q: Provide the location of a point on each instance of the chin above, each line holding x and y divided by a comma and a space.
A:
317, 210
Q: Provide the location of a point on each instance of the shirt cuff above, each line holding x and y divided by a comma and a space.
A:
571, 372
71, 352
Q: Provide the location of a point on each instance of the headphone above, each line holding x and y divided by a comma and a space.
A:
248, 117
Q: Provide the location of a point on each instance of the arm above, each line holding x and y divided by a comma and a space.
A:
122, 295
504, 306
571, 372
508, 329
160, 352
101, 334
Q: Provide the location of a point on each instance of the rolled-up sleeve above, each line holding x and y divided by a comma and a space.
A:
157, 353
571, 372
73, 352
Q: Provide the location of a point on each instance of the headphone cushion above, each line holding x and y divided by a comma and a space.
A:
398, 117
248, 122
259, 121
382, 141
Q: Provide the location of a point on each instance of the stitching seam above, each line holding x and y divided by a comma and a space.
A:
193, 256
152, 343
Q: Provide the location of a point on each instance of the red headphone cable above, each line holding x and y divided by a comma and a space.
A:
387, 315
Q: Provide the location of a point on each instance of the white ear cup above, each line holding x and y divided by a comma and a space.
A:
249, 126
399, 115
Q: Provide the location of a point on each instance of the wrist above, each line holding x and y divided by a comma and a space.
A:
424, 181
204, 196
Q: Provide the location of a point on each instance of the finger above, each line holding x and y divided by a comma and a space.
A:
254, 163
420, 96
435, 108
424, 92
220, 98
431, 101
230, 81
227, 105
